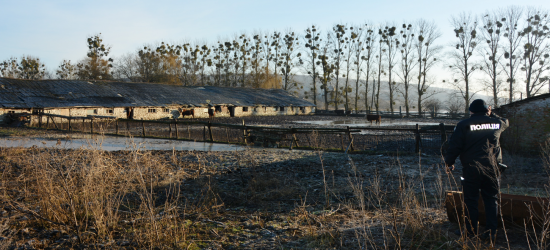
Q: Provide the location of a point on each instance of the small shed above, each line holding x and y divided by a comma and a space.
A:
529, 123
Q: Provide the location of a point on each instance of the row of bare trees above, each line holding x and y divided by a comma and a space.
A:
506, 46
349, 66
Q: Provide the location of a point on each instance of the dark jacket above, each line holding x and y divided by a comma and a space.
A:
472, 138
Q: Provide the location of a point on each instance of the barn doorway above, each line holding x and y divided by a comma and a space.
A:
231, 111
129, 113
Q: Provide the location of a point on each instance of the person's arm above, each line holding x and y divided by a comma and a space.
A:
456, 143
505, 123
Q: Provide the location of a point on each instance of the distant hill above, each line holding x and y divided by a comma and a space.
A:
439, 93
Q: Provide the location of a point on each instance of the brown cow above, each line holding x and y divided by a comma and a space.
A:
185, 112
211, 113
376, 118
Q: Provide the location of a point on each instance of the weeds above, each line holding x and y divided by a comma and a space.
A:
90, 198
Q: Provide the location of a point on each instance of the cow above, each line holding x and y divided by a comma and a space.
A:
185, 112
211, 113
376, 118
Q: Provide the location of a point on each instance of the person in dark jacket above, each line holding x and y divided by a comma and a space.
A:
476, 141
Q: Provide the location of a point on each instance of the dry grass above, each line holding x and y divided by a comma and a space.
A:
249, 199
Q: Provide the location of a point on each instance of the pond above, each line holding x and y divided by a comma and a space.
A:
113, 143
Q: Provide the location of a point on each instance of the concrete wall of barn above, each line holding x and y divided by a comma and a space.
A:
153, 113
4, 113
529, 125
261, 111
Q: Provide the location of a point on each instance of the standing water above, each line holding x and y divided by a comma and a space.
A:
113, 143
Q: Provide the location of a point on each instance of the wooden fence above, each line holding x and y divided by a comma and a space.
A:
423, 138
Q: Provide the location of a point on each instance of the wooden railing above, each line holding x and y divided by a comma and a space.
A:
249, 134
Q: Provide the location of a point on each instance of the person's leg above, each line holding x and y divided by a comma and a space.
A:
470, 190
489, 193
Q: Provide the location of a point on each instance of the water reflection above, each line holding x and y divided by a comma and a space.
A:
116, 143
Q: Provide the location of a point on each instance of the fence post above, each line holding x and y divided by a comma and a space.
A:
293, 140
443, 134
47, 122
169, 130
116, 126
176, 128
226, 134
210, 131
294, 136
91, 125
142, 128
417, 139
204, 133
70, 125
244, 133
40, 121
128, 128
351, 138
55, 124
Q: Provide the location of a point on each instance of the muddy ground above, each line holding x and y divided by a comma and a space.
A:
259, 199
271, 199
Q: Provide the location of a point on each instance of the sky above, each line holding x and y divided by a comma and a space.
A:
57, 30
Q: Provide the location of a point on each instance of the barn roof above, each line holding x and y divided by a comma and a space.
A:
17, 93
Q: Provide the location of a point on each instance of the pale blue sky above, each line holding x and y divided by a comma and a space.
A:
55, 30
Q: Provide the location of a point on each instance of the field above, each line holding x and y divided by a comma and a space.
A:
252, 199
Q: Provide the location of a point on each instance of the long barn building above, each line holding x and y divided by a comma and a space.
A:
143, 100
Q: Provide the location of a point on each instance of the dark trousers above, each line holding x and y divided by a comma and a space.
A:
475, 179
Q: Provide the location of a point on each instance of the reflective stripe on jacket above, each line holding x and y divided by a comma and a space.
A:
473, 137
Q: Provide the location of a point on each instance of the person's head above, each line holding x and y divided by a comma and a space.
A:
479, 106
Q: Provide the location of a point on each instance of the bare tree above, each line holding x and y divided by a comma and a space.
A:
226, 48
536, 51
351, 42
219, 61
338, 42
256, 59
380, 68
124, 67
427, 51
408, 61
95, 66
312, 42
510, 18
289, 58
461, 62
327, 67
433, 106
392, 45
241, 58
28, 67
454, 104
189, 73
275, 48
367, 44
205, 62
491, 53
